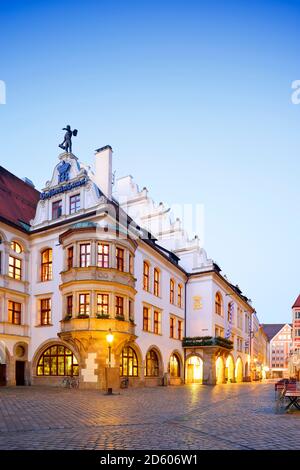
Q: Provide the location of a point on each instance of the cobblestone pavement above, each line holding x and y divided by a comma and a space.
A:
232, 416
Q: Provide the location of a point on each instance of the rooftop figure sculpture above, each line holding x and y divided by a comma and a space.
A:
66, 145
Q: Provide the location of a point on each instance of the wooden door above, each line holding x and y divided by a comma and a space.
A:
20, 373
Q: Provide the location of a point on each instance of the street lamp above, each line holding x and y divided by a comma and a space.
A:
109, 339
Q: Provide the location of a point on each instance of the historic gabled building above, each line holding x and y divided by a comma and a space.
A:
280, 338
89, 289
295, 352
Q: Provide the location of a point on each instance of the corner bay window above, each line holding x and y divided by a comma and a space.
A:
103, 255
70, 257
129, 363
152, 364
102, 304
56, 209
84, 304
69, 305
146, 319
119, 306
58, 360
120, 258
45, 311
85, 255
15, 268
46, 265
74, 203
14, 312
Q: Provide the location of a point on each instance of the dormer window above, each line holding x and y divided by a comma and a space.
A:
56, 209
74, 203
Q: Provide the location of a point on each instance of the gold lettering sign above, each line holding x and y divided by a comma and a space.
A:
197, 302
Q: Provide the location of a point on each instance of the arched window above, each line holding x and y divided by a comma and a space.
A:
174, 366
156, 282
57, 360
152, 364
218, 304
129, 363
146, 276
46, 265
16, 247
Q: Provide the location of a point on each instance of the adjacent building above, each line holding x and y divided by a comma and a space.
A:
280, 338
103, 285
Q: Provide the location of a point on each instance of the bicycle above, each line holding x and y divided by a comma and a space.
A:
70, 382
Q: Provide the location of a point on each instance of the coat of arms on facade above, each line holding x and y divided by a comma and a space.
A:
63, 171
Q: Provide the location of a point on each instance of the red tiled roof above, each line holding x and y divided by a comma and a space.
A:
18, 200
297, 302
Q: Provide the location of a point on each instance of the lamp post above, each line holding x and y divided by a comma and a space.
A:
109, 339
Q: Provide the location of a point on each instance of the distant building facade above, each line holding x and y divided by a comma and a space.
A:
280, 337
295, 354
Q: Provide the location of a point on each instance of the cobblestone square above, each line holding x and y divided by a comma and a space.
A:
232, 416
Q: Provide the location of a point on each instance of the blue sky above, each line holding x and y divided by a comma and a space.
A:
195, 99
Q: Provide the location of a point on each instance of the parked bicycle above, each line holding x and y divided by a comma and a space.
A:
70, 382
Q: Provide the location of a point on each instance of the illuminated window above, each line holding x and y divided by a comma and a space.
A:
85, 255
180, 329
15, 268
172, 327
218, 304
129, 363
102, 304
120, 258
58, 360
157, 322
119, 306
56, 209
146, 276
46, 265
14, 312
45, 311
152, 364
103, 255
84, 304
131, 267
174, 366
172, 291
74, 203
15, 246
146, 319
70, 305
179, 296
156, 282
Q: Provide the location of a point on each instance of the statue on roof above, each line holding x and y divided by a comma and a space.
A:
66, 145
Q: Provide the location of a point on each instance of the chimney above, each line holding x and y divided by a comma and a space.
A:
103, 170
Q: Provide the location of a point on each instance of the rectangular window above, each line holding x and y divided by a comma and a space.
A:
70, 257
15, 268
74, 203
70, 305
120, 258
146, 319
172, 327
46, 265
85, 255
131, 313
180, 329
130, 263
84, 304
103, 255
146, 277
45, 311
14, 312
172, 291
157, 322
56, 209
179, 300
102, 304
119, 306
156, 282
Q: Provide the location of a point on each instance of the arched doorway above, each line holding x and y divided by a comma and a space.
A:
239, 370
219, 370
194, 370
246, 370
229, 370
